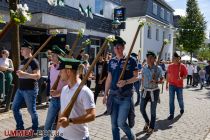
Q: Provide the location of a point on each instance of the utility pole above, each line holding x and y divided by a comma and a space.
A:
15, 45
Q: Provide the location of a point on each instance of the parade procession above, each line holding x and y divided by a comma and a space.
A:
104, 70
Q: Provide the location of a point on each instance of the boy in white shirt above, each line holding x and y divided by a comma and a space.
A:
75, 126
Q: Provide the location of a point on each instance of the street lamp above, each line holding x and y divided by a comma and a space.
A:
115, 24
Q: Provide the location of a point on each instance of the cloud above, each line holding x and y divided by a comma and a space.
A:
180, 12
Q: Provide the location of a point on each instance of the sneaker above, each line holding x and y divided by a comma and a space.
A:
171, 117
146, 127
150, 131
181, 111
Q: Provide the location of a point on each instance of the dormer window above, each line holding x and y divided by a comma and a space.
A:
162, 13
155, 8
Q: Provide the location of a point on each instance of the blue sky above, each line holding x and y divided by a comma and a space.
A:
180, 8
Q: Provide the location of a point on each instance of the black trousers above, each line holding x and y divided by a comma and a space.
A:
98, 89
189, 79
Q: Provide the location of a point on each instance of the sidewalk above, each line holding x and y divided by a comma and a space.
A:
193, 125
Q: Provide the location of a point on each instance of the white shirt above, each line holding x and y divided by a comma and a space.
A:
190, 69
85, 100
195, 69
4, 62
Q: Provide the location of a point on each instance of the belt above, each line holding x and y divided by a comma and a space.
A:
151, 93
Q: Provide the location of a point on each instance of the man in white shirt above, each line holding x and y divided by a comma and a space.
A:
75, 126
190, 73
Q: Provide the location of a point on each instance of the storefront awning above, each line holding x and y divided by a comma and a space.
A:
47, 21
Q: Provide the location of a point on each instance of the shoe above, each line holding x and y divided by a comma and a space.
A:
171, 117
181, 111
150, 131
146, 127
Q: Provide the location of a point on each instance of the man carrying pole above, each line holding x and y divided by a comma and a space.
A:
75, 126
176, 73
151, 76
54, 106
27, 89
120, 96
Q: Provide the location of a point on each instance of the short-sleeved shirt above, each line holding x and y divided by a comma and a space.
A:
173, 74
148, 74
115, 68
53, 77
101, 70
26, 83
85, 100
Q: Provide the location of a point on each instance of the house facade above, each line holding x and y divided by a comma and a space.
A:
159, 15
46, 17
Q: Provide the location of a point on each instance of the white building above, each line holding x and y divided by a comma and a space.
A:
159, 15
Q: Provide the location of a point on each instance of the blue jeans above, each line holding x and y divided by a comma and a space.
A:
119, 115
29, 96
179, 94
137, 87
52, 113
153, 107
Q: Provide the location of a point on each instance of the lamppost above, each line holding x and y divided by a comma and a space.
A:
115, 24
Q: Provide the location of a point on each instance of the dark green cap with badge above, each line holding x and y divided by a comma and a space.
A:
118, 40
57, 50
150, 53
67, 63
26, 44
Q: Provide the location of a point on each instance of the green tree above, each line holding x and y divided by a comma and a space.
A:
193, 26
203, 52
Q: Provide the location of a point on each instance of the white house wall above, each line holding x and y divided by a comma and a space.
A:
146, 43
107, 12
128, 34
155, 45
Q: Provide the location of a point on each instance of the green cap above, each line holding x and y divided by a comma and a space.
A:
67, 63
118, 40
57, 50
150, 53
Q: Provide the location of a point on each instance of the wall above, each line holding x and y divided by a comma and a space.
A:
109, 9
142, 40
150, 12
155, 45
128, 34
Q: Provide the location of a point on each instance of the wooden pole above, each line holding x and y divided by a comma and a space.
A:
6, 28
69, 107
79, 35
129, 53
82, 46
31, 58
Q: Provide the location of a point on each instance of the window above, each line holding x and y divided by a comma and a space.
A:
163, 35
157, 34
155, 8
162, 13
168, 17
166, 56
169, 37
149, 32
99, 7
